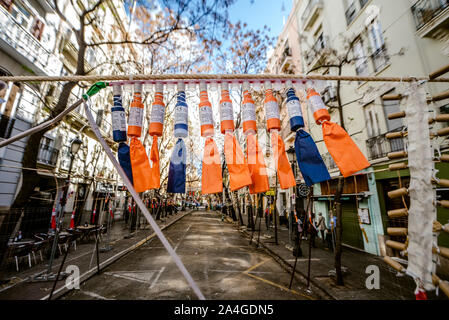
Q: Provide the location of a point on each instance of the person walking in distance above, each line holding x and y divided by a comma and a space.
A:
321, 226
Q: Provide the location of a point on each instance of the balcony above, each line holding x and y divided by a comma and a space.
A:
431, 17
47, 155
329, 93
25, 48
380, 58
311, 13
317, 49
286, 61
362, 68
380, 146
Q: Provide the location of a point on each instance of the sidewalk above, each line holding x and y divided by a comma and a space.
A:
322, 261
84, 257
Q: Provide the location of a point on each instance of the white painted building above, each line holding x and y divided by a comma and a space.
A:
34, 40
379, 38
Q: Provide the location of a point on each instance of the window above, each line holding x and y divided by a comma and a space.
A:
392, 107
363, 3
372, 120
379, 51
360, 60
351, 12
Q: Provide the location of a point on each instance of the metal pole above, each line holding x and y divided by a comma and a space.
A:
60, 269
310, 240
300, 235
275, 213
254, 227
98, 253
59, 218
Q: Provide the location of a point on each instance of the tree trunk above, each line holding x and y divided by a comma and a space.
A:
339, 232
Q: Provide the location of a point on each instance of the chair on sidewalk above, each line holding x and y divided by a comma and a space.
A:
38, 246
62, 241
75, 235
20, 251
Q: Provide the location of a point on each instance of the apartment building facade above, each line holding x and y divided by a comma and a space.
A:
34, 40
378, 38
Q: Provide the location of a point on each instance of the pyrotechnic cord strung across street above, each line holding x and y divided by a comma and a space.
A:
208, 78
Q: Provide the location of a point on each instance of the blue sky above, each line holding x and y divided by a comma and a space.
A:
260, 13
257, 13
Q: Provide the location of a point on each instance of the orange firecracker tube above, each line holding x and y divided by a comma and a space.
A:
157, 112
248, 111
271, 109
206, 118
226, 110
136, 113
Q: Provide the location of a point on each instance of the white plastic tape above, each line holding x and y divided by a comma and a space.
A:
422, 211
142, 206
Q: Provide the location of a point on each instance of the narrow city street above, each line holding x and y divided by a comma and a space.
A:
217, 256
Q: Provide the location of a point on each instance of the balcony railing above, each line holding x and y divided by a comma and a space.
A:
27, 45
425, 10
310, 9
319, 45
380, 58
47, 155
362, 68
380, 146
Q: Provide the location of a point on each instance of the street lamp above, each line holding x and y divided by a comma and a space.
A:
75, 146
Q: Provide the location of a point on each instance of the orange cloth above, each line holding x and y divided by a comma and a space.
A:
344, 151
239, 175
211, 178
283, 168
155, 176
140, 165
256, 165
